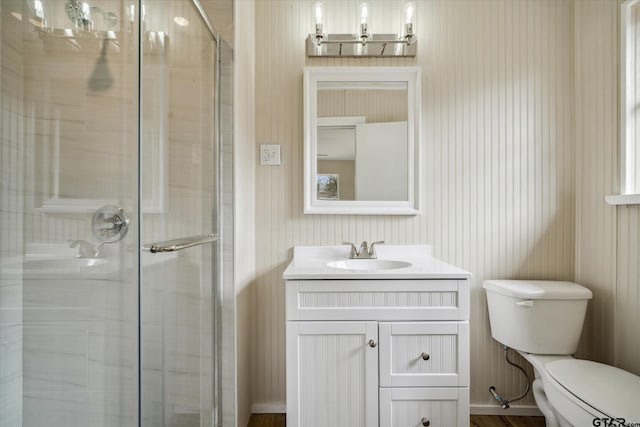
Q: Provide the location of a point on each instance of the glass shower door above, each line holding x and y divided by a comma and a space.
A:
108, 132
178, 132
68, 147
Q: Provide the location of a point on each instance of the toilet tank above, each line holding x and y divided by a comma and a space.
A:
535, 316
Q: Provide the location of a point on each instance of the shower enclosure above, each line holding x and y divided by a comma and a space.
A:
114, 248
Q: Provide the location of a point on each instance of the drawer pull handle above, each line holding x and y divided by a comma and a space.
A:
425, 422
425, 356
372, 343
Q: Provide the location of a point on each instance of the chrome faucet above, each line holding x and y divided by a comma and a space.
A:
365, 252
86, 249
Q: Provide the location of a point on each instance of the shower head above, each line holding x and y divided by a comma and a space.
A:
80, 14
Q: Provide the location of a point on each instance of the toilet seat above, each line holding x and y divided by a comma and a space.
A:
597, 388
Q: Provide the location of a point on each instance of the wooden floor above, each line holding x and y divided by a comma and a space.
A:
278, 420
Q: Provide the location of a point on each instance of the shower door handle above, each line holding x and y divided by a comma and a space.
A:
179, 244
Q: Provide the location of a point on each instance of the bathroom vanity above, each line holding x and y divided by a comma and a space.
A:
381, 342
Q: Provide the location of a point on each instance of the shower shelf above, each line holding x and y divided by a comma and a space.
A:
73, 40
68, 33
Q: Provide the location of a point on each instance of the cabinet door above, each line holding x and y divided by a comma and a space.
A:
427, 406
332, 374
424, 354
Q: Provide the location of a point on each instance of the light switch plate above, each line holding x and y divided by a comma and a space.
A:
270, 154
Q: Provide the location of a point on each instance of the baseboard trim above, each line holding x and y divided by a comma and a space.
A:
269, 408
518, 410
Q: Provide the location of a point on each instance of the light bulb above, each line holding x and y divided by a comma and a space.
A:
318, 9
408, 13
86, 10
364, 13
408, 30
37, 5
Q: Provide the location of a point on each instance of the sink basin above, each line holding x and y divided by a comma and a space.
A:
368, 264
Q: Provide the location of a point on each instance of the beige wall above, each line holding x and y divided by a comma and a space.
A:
596, 113
244, 200
498, 158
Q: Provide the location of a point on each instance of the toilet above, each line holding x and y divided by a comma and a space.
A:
543, 320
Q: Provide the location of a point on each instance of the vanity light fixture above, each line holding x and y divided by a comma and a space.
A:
363, 43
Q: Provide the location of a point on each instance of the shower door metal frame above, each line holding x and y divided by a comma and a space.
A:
178, 244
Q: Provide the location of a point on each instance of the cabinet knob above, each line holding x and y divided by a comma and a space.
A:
372, 343
425, 422
425, 356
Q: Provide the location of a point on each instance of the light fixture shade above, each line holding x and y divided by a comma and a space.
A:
365, 10
408, 28
318, 13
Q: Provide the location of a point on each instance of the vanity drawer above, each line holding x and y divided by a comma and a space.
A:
433, 407
377, 299
424, 354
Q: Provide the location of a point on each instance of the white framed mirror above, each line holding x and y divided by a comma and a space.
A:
362, 140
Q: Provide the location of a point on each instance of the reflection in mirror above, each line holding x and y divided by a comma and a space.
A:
362, 136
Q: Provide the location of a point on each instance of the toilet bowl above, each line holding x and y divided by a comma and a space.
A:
543, 320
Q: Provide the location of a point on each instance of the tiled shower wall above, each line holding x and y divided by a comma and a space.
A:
498, 158
11, 219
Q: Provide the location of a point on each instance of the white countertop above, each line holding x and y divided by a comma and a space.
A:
310, 262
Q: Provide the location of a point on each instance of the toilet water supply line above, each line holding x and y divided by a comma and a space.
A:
505, 403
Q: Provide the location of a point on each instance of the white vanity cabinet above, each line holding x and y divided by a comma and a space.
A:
377, 352
336, 373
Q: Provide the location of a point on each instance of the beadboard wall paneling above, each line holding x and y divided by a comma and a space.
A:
596, 106
627, 295
244, 158
497, 156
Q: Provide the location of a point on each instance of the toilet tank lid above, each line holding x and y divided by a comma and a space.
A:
538, 289
610, 390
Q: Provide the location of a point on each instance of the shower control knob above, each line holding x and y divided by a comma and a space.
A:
425, 422
372, 343
425, 356
110, 224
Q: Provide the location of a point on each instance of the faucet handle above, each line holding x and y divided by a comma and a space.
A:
372, 249
354, 251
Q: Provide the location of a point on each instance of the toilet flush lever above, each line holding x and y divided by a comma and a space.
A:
525, 303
